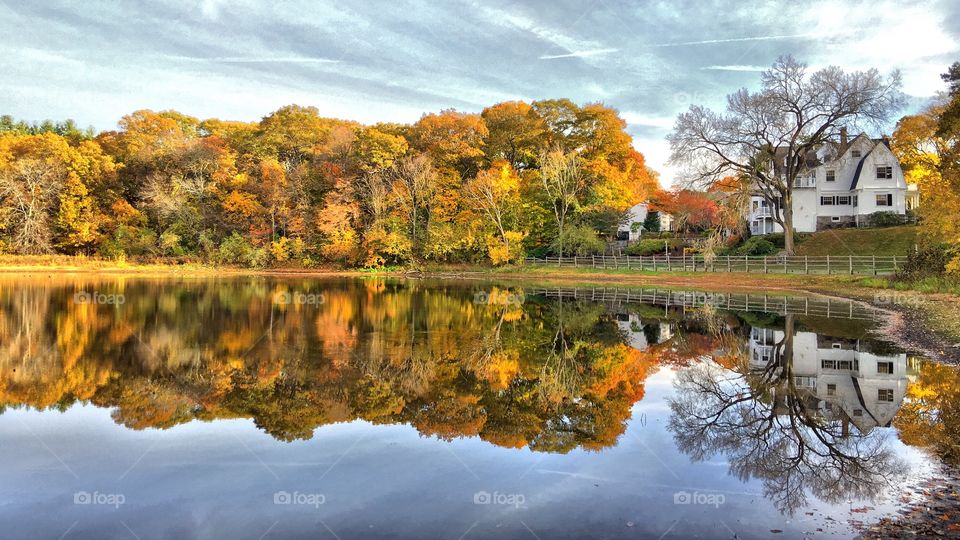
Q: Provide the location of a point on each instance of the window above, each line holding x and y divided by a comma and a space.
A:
623, 235
831, 389
885, 394
858, 412
838, 345
855, 153
850, 365
885, 368
831, 175
826, 201
885, 173
835, 219
884, 199
855, 200
843, 199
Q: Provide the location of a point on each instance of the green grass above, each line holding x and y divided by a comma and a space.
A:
880, 241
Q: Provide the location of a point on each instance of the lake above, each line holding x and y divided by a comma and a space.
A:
257, 407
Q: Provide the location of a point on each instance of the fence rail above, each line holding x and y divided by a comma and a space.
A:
759, 303
796, 264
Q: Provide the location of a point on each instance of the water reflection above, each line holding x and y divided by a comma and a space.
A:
799, 414
786, 395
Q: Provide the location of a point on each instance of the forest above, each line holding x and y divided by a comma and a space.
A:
296, 188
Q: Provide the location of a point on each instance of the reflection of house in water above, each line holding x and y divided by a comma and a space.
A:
641, 335
845, 379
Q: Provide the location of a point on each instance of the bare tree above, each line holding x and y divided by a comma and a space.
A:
767, 135
28, 195
562, 181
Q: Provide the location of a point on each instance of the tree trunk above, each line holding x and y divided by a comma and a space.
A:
788, 223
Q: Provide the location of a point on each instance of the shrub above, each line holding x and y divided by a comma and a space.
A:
501, 254
757, 246
925, 262
884, 219
651, 247
235, 249
580, 241
777, 239
129, 241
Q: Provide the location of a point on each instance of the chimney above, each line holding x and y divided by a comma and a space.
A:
886, 140
843, 138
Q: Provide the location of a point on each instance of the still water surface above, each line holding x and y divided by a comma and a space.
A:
378, 408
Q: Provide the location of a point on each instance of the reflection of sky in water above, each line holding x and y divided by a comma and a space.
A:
218, 480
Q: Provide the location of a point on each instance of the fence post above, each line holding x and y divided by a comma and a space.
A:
669, 266
806, 265
765, 265
785, 257
828, 265
746, 264
728, 263
593, 261
874, 267
851, 265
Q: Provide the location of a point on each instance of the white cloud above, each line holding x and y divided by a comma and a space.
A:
642, 119
257, 60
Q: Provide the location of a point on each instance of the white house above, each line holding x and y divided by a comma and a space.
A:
843, 184
631, 229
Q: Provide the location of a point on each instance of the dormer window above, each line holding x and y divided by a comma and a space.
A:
855, 153
884, 173
831, 175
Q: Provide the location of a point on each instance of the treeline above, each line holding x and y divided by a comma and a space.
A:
296, 188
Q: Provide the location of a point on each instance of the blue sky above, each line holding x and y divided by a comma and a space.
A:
391, 61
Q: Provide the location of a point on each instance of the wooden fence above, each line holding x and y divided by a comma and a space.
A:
796, 264
759, 303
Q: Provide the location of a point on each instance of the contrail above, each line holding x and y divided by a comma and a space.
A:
737, 67
579, 54
733, 40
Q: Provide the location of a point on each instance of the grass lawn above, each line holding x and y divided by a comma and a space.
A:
881, 241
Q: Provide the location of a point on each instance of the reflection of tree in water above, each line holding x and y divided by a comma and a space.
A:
770, 429
541, 375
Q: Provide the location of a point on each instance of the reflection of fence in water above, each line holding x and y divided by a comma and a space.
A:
798, 264
782, 305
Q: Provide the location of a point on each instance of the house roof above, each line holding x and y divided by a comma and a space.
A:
856, 175
813, 158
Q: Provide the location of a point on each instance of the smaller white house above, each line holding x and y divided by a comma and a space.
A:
842, 185
633, 227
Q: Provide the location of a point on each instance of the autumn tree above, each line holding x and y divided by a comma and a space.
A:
928, 146
496, 193
766, 135
414, 184
562, 181
514, 130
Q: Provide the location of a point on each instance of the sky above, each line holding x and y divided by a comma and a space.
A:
371, 61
